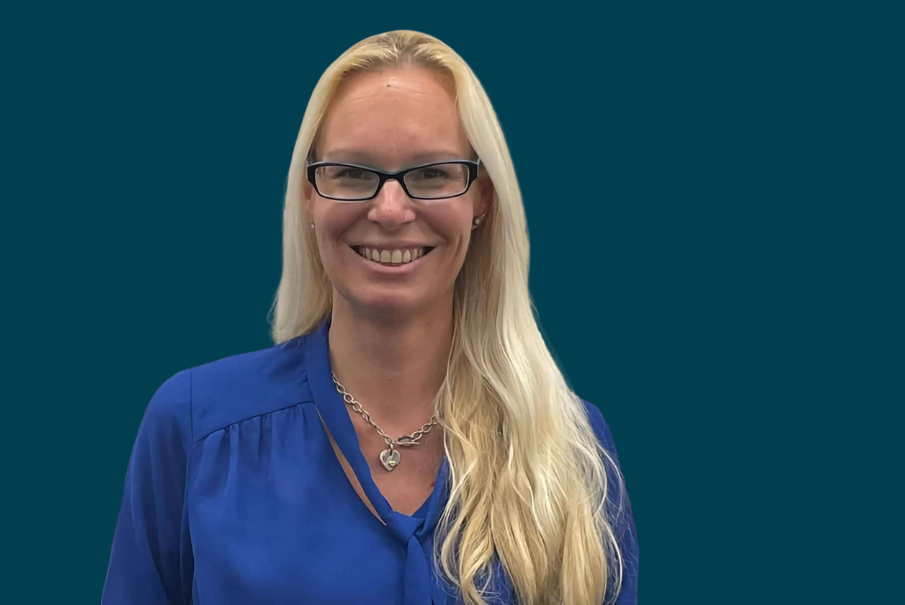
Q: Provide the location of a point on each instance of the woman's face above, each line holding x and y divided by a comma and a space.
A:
391, 120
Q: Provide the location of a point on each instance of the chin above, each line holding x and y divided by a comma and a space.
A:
384, 303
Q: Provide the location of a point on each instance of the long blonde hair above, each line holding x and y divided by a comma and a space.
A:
528, 480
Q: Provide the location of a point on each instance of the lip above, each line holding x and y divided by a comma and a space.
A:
390, 269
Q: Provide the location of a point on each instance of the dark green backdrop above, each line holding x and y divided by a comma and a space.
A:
726, 291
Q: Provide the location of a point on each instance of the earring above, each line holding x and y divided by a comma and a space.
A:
477, 221
311, 225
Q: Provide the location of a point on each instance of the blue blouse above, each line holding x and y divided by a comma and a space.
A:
234, 495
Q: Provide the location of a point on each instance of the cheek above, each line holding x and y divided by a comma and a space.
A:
452, 224
332, 221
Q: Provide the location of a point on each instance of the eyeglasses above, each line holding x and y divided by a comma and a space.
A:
354, 183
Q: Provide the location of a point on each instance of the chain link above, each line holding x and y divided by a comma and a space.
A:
405, 440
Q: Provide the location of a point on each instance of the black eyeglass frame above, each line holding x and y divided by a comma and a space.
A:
399, 177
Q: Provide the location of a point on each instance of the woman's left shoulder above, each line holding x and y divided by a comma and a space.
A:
623, 519
600, 426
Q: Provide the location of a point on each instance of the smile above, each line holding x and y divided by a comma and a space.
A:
391, 257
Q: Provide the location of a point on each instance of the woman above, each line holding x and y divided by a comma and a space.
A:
299, 474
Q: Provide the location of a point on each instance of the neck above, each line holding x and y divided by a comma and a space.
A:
393, 365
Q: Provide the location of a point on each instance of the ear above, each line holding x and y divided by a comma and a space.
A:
485, 195
307, 202
308, 188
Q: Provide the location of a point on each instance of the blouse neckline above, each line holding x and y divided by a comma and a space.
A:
332, 408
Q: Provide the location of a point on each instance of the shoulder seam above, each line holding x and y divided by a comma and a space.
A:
298, 403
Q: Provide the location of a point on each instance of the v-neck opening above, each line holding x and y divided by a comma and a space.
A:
333, 409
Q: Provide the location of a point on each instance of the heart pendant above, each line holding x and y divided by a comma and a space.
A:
390, 459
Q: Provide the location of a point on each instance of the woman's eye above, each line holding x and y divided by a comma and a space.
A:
350, 173
431, 173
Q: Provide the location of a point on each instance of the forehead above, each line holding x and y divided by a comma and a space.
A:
393, 118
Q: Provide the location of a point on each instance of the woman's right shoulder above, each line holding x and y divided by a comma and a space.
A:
213, 395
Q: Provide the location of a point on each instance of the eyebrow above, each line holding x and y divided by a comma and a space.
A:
372, 160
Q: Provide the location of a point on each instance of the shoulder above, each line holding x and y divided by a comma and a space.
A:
619, 505
600, 426
219, 393
167, 417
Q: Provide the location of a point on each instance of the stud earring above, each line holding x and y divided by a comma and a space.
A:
477, 221
311, 225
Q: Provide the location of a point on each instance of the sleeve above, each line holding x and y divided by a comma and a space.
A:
151, 560
624, 520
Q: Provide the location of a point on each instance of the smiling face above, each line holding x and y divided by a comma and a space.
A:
391, 120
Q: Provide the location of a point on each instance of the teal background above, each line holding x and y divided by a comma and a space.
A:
728, 291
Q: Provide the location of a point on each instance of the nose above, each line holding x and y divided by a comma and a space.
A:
392, 208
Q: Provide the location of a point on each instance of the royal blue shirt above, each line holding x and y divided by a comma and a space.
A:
234, 495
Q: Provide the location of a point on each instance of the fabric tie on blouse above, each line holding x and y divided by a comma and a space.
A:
415, 533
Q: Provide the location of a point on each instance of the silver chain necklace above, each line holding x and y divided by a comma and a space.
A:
389, 457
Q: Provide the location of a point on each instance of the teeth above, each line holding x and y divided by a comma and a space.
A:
391, 257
